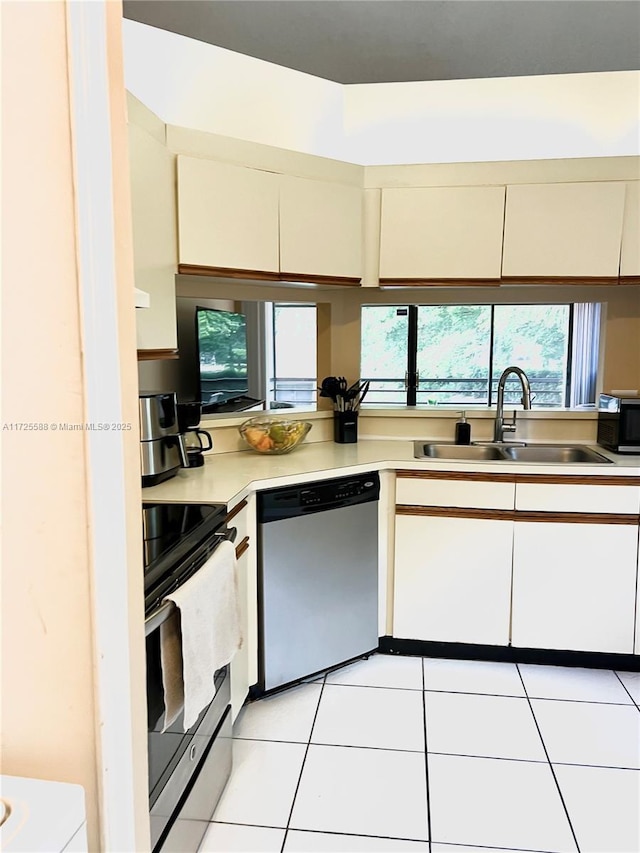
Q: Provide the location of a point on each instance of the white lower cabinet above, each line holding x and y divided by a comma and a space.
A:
574, 586
244, 662
543, 565
452, 579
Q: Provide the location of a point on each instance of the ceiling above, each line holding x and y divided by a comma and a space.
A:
378, 41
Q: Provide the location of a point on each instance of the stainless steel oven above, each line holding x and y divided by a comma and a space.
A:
187, 770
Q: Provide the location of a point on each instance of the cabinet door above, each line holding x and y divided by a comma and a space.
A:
574, 586
452, 579
479, 494
155, 255
244, 664
320, 228
571, 230
630, 254
442, 232
577, 497
227, 215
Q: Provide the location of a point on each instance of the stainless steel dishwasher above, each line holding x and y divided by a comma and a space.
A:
318, 577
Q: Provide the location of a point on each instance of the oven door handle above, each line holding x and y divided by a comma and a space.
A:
164, 610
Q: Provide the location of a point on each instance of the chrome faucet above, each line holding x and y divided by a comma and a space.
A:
510, 426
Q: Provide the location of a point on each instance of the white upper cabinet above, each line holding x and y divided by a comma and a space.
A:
239, 218
227, 216
630, 254
320, 228
155, 253
563, 230
441, 233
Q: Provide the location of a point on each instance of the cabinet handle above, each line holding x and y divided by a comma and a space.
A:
242, 547
233, 512
192, 753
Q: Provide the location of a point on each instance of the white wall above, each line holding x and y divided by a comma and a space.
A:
196, 85
509, 118
61, 718
192, 84
48, 687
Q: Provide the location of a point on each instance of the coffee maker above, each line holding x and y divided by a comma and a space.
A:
162, 448
189, 415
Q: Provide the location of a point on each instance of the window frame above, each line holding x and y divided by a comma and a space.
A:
272, 380
412, 379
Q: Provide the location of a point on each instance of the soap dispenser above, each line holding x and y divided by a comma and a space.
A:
463, 431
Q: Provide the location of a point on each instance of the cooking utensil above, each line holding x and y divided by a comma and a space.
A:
329, 387
346, 398
361, 394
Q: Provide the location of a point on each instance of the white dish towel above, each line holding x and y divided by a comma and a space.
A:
203, 639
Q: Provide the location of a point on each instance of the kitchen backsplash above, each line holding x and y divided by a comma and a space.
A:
544, 426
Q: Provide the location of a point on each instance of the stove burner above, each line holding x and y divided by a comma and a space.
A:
171, 532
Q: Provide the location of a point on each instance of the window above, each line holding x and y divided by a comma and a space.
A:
455, 354
291, 357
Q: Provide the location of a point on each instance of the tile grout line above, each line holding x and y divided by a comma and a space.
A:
375, 687
306, 752
543, 698
483, 849
453, 845
626, 689
334, 745
387, 838
426, 753
553, 772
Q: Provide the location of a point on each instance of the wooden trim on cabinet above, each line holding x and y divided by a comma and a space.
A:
518, 515
471, 476
228, 272
439, 282
306, 278
577, 517
154, 354
505, 477
577, 480
455, 512
267, 275
510, 280
242, 547
560, 279
235, 511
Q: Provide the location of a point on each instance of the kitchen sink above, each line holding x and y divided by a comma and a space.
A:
554, 454
470, 452
550, 454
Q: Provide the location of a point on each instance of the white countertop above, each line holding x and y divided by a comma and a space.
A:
228, 477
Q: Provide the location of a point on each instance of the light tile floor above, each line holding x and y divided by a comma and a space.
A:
395, 754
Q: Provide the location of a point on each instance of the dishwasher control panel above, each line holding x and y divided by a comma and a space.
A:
317, 496
333, 492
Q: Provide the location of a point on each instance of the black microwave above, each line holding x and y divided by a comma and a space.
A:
619, 423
